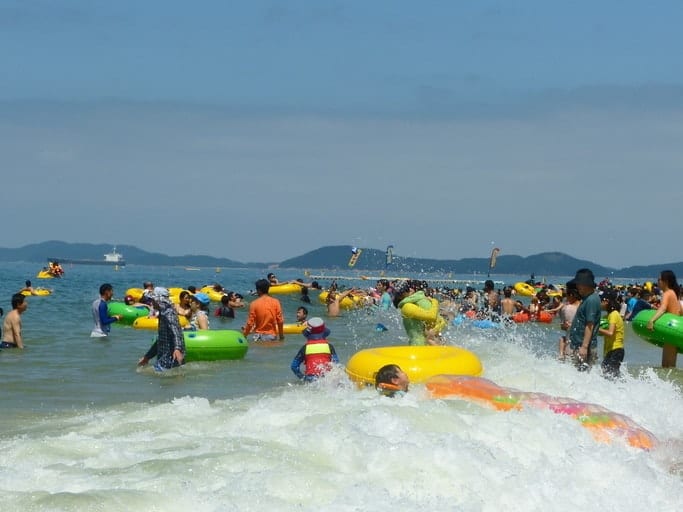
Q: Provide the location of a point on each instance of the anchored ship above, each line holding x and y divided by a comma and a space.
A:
111, 258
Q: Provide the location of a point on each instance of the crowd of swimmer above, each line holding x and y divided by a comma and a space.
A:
579, 305
425, 312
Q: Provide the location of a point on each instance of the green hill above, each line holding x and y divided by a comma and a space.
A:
548, 263
337, 257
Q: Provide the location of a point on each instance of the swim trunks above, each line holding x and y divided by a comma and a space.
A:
263, 337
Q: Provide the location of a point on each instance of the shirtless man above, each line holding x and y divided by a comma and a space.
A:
334, 300
492, 298
28, 288
508, 304
11, 327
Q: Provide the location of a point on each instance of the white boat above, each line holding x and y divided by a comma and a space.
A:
114, 258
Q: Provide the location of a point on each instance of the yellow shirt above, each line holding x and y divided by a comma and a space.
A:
617, 339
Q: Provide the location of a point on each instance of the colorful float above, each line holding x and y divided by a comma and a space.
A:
485, 323
128, 313
668, 329
479, 323
419, 362
521, 317
604, 425
543, 317
524, 289
152, 323
214, 345
51, 271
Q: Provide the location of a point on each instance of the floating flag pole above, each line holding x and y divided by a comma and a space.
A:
492, 260
390, 255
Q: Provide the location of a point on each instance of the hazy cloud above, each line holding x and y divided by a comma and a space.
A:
268, 188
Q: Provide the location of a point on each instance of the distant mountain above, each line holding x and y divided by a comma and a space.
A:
56, 249
548, 263
337, 257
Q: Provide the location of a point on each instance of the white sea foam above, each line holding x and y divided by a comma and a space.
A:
332, 447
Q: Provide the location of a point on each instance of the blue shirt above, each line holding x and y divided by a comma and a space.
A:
589, 311
385, 301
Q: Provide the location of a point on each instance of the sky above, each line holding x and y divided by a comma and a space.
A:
261, 130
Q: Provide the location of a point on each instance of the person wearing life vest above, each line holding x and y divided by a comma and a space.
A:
391, 381
317, 354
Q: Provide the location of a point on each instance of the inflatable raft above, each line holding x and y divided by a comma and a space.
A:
215, 345
603, 424
419, 362
44, 274
668, 329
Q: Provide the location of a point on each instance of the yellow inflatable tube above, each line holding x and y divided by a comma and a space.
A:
174, 291
416, 312
348, 302
525, 289
43, 274
41, 292
419, 362
284, 289
145, 322
136, 293
293, 328
214, 296
438, 326
174, 294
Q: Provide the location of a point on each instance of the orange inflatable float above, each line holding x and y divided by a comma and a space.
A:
543, 317
603, 424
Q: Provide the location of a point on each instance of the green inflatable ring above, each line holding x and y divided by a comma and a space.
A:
128, 313
668, 329
214, 345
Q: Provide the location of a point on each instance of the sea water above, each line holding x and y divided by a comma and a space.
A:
84, 429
